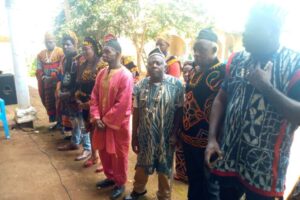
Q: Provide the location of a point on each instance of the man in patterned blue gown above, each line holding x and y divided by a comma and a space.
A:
260, 103
158, 101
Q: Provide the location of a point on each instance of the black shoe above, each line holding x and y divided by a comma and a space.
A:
68, 137
134, 195
105, 183
117, 192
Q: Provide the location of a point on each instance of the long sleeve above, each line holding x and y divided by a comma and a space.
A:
94, 102
119, 111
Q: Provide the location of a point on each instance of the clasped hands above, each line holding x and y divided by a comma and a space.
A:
98, 123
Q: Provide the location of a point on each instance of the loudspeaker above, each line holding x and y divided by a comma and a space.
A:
8, 89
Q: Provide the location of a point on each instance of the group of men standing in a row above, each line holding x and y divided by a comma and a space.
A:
235, 122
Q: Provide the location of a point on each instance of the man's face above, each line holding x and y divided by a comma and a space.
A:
68, 47
88, 52
109, 54
156, 66
163, 45
50, 44
258, 38
187, 72
204, 52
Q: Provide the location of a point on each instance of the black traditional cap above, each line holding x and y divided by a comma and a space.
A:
114, 44
157, 52
207, 34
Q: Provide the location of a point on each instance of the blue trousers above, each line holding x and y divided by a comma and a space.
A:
79, 133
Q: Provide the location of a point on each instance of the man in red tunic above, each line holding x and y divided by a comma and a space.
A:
110, 111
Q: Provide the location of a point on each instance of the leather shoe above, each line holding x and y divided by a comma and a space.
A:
117, 192
68, 147
85, 154
134, 195
105, 183
68, 137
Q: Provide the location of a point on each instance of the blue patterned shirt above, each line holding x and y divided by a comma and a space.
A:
157, 104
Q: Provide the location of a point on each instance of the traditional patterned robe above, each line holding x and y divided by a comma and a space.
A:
157, 104
199, 96
47, 66
257, 139
67, 75
84, 85
129, 64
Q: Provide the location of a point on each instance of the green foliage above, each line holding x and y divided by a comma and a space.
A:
132, 17
32, 67
139, 20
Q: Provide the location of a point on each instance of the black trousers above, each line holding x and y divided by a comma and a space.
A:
231, 189
201, 184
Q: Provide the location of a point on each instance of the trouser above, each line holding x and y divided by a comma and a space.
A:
114, 167
79, 133
141, 179
231, 189
201, 184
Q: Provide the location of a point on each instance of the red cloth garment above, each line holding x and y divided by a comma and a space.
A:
173, 67
111, 101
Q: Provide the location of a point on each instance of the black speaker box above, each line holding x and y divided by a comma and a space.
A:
8, 89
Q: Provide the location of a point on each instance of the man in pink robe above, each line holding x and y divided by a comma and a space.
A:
110, 111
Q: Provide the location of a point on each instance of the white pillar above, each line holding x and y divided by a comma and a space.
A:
16, 23
17, 46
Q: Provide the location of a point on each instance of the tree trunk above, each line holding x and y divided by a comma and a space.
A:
139, 59
67, 10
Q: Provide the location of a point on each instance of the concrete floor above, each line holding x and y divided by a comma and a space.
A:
32, 169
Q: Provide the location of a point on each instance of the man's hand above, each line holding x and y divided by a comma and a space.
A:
212, 149
135, 144
100, 124
260, 78
173, 140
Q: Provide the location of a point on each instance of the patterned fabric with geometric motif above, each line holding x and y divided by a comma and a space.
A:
157, 104
200, 93
257, 139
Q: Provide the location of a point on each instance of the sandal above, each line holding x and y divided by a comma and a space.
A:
99, 169
89, 163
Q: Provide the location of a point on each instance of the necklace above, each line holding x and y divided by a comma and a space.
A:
48, 59
150, 109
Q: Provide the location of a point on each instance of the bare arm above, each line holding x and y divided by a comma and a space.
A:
135, 125
177, 125
215, 122
135, 122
